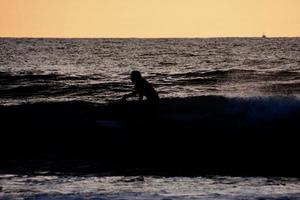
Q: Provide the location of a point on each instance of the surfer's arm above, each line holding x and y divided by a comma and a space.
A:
132, 94
141, 97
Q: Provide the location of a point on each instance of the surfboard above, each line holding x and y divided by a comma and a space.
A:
111, 124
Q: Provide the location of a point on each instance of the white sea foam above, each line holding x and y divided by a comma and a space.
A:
92, 187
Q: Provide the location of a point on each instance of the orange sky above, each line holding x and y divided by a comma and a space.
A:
149, 18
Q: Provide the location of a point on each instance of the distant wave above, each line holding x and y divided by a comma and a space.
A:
27, 85
238, 73
6, 77
212, 73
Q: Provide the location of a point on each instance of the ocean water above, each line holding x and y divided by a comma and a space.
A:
146, 188
97, 70
258, 81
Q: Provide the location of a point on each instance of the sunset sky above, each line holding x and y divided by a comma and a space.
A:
149, 18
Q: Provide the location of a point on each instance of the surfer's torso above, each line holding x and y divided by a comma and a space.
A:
144, 88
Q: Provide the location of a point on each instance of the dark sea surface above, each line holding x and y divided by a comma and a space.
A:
230, 112
97, 70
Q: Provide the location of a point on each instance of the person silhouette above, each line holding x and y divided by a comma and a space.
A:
142, 88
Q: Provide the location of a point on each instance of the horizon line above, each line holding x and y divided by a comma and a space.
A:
204, 37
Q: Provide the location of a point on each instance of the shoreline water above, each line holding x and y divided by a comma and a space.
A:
145, 188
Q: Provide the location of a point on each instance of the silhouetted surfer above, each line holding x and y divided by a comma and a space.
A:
144, 114
142, 88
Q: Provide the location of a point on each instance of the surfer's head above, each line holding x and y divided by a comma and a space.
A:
135, 76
